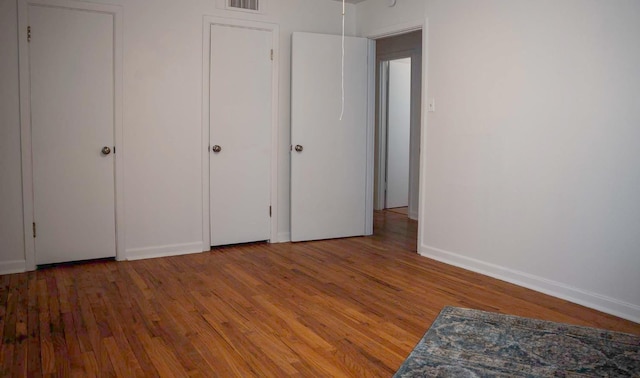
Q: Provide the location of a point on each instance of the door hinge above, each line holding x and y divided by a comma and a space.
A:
34, 229
28, 33
271, 54
269, 211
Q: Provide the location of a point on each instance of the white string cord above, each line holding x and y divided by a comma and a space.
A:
342, 67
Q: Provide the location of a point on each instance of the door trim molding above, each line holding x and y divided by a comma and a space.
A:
393, 30
371, 124
206, 56
381, 129
25, 119
420, 24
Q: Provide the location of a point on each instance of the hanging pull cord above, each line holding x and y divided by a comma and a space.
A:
342, 67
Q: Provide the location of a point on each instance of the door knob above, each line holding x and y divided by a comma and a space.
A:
299, 148
216, 148
106, 150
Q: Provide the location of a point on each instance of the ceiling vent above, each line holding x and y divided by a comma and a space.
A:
244, 5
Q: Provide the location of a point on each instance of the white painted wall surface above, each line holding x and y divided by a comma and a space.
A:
375, 17
11, 234
162, 118
530, 168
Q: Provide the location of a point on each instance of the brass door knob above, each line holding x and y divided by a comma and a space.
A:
216, 148
106, 150
299, 148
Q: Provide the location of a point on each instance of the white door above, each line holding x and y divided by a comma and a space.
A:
329, 162
240, 134
72, 119
398, 132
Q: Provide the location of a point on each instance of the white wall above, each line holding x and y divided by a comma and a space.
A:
376, 18
530, 168
162, 118
11, 234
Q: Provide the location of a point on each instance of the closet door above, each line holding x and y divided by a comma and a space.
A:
71, 72
240, 134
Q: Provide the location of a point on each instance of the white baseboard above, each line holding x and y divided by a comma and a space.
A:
16, 266
586, 298
413, 215
163, 251
283, 237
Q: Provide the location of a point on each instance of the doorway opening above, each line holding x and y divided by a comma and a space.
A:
398, 119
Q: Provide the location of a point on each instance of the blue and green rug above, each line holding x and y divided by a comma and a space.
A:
471, 343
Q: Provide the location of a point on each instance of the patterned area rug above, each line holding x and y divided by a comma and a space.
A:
471, 343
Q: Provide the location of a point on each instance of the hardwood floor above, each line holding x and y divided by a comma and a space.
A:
400, 210
351, 307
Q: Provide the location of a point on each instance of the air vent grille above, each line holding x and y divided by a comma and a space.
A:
244, 4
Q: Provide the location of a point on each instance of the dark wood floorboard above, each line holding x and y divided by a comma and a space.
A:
348, 307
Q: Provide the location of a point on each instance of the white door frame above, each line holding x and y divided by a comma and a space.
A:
25, 119
422, 24
206, 56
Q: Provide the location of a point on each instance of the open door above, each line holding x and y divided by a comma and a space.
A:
331, 159
398, 101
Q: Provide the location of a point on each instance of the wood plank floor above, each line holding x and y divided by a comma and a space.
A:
399, 210
351, 307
